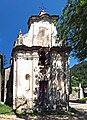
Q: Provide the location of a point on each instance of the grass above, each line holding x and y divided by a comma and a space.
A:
4, 109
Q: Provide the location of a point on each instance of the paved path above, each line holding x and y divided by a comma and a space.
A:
9, 117
81, 110
78, 106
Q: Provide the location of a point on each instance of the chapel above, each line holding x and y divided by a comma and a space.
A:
39, 73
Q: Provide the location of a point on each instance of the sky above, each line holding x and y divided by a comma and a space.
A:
14, 15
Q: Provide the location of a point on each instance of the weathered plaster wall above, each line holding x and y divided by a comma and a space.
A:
41, 33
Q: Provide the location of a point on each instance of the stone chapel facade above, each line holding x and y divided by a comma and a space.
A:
39, 66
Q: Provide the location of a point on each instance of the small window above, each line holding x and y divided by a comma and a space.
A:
27, 77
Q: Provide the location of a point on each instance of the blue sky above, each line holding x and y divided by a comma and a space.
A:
14, 15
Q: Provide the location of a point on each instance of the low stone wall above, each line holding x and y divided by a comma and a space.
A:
74, 94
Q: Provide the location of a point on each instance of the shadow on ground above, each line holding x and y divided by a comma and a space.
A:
72, 114
77, 114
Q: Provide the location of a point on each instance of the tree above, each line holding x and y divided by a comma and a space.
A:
3, 63
73, 27
4, 60
78, 74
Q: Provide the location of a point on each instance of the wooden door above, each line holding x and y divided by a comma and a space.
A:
43, 89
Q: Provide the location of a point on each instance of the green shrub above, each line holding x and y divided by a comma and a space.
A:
84, 99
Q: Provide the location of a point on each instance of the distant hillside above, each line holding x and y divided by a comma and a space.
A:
79, 74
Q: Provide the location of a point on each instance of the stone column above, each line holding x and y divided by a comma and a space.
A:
67, 82
14, 83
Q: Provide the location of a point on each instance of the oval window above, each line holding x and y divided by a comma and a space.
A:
27, 77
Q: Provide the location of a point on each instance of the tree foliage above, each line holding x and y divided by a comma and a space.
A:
73, 27
4, 60
79, 74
